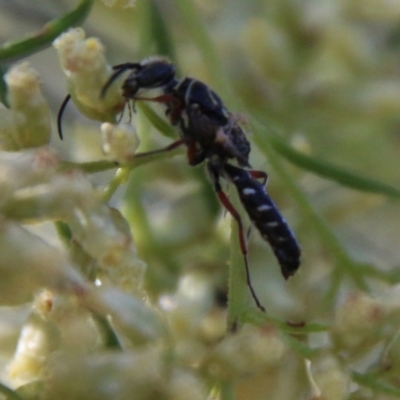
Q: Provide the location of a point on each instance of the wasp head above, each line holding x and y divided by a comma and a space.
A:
151, 73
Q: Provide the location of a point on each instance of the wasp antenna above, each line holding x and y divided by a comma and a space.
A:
60, 115
119, 70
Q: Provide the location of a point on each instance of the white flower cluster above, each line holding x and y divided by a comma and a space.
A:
87, 71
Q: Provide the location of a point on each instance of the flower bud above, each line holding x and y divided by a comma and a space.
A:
28, 123
87, 71
120, 142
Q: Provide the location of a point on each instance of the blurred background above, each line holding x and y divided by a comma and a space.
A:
323, 77
317, 86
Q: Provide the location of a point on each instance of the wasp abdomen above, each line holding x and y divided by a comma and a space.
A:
266, 217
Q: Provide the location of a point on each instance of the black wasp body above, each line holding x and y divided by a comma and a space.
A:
212, 134
206, 126
265, 216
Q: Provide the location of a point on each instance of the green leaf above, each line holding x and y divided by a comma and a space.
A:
34, 43
370, 381
332, 172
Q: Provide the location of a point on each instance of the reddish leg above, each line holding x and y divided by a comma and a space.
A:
243, 244
170, 147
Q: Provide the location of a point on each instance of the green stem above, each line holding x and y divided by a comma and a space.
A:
238, 292
332, 172
201, 38
34, 43
90, 167
369, 381
139, 160
120, 177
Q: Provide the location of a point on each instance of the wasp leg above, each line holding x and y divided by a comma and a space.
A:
166, 149
223, 198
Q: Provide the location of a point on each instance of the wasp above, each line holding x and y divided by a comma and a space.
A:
212, 134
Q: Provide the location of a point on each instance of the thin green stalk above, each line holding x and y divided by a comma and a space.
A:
91, 167
332, 172
371, 382
202, 40
238, 292
159, 32
122, 173
139, 160
120, 177
257, 317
